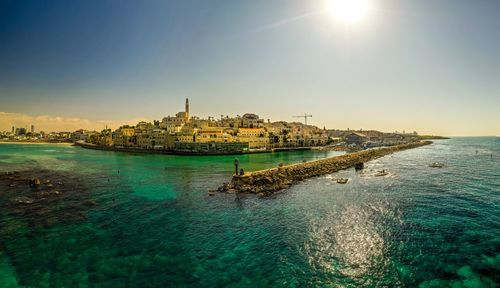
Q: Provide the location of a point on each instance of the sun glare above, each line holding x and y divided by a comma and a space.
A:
349, 11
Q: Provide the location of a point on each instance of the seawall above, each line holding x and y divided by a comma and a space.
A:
275, 179
162, 151
186, 153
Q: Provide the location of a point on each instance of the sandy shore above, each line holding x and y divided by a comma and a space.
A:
34, 143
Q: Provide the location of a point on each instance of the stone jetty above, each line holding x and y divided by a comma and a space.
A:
266, 182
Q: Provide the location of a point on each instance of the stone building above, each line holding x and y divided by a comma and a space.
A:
250, 120
174, 124
212, 134
256, 137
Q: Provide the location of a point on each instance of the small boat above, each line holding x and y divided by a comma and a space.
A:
436, 165
342, 180
381, 173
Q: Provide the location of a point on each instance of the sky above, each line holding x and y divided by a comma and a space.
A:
431, 66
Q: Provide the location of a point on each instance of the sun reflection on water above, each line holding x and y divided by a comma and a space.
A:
346, 243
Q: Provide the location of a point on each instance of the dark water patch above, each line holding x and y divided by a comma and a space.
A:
56, 197
29, 210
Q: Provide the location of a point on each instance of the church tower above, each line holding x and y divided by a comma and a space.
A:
187, 109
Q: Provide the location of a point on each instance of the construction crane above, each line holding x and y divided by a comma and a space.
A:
305, 116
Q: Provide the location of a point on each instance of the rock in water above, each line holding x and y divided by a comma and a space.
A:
359, 166
35, 182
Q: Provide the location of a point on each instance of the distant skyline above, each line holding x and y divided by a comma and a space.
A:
429, 66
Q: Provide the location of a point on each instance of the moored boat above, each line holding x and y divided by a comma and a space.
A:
436, 165
381, 173
342, 180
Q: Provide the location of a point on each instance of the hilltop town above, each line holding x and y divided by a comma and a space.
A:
188, 134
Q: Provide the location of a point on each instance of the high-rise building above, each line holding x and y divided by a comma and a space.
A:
20, 131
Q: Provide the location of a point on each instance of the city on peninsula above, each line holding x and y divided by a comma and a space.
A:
185, 134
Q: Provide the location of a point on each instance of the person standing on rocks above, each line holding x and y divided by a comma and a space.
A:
236, 164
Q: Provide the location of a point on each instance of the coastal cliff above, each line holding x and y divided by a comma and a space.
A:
266, 182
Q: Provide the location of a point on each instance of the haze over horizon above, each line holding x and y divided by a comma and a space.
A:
429, 67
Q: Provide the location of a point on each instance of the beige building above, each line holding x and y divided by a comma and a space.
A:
250, 120
124, 137
212, 134
256, 137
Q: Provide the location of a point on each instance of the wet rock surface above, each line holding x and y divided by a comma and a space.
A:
270, 181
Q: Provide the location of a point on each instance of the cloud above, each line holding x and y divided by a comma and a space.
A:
56, 123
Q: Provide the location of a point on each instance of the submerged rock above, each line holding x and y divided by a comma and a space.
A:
23, 200
89, 203
42, 205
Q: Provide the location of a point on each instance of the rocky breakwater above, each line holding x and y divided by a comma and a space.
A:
266, 182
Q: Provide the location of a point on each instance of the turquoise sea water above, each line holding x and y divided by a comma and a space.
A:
154, 225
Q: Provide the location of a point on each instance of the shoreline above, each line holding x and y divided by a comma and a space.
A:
266, 182
433, 137
188, 153
35, 143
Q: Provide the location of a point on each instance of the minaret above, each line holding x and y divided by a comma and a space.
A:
187, 109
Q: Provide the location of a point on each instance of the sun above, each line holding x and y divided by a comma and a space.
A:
349, 11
